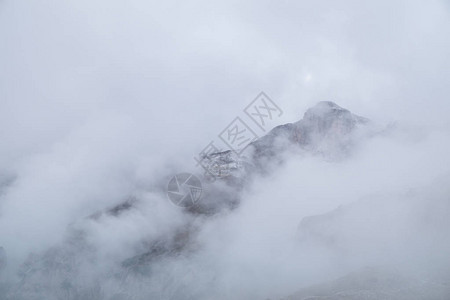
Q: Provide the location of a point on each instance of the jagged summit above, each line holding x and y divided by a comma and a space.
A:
325, 128
325, 107
328, 111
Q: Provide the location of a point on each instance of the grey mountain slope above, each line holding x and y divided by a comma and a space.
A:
375, 284
324, 129
407, 231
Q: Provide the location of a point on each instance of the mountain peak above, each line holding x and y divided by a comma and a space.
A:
329, 104
325, 128
325, 109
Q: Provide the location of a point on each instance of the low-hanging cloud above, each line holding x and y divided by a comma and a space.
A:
102, 101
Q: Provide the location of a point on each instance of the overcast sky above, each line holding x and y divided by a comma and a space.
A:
98, 97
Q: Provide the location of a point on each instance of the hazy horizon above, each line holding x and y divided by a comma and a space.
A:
101, 101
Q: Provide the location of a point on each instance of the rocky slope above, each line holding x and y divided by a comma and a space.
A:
375, 284
326, 129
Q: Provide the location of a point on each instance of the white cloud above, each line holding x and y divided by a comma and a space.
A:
102, 100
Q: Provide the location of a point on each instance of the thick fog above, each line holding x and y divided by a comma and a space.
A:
103, 101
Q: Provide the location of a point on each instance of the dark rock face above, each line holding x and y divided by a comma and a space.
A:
325, 128
225, 178
223, 164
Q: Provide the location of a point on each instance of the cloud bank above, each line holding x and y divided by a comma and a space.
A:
101, 101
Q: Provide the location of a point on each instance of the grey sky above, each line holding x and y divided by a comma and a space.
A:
97, 97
